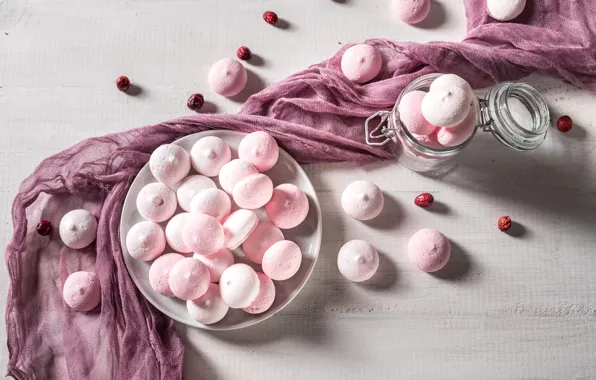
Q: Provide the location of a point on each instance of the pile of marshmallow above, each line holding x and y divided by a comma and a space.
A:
208, 229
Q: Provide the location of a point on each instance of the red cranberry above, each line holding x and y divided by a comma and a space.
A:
424, 200
565, 123
270, 17
504, 223
195, 102
44, 228
243, 53
123, 83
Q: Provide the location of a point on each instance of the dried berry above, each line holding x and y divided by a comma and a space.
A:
565, 123
195, 102
270, 17
123, 83
243, 53
44, 228
424, 200
504, 223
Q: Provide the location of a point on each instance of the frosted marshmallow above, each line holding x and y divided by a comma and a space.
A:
410, 11
213, 202
234, 171
447, 81
429, 140
203, 234
145, 241
189, 279
78, 229
239, 286
253, 192
362, 200
238, 226
446, 107
192, 186
459, 134
208, 308
82, 291
282, 260
288, 206
159, 273
217, 262
410, 113
260, 149
259, 241
361, 63
358, 260
209, 154
227, 77
265, 297
156, 202
174, 232
169, 164
429, 250
505, 10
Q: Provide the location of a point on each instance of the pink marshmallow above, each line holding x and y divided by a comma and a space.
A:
282, 260
361, 63
227, 77
169, 164
156, 202
260, 149
362, 200
410, 11
410, 113
259, 241
209, 154
429, 250
159, 273
190, 187
208, 308
429, 140
213, 202
288, 206
174, 232
459, 134
203, 234
253, 192
234, 171
265, 297
82, 291
145, 241
217, 262
189, 279
238, 226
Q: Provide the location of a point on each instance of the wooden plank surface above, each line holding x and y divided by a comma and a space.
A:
507, 307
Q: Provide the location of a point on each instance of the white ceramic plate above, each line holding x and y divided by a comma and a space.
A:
307, 236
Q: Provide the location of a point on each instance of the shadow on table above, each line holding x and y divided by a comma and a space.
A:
460, 266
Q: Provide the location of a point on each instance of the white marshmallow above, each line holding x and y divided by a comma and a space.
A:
190, 187
156, 202
446, 107
169, 164
239, 286
238, 226
505, 10
78, 229
174, 232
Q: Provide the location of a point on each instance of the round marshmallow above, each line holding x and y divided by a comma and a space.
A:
459, 134
217, 262
208, 308
145, 241
447, 81
358, 260
410, 113
156, 202
238, 226
213, 202
362, 200
239, 286
259, 241
82, 291
234, 171
78, 228
361, 63
209, 154
429, 140
265, 297
429, 250
159, 273
189, 279
410, 11
260, 149
192, 186
174, 232
505, 10
203, 234
446, 107
227, 77
169, 164
282, 260
253, 191
288, 206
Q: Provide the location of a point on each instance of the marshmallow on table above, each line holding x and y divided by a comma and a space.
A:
78, 228
234, 171
410, 113
189, 279
429, 250
259, 241
159, 273
239, 286
156, 202
238, 226
203, 234
282, 260
505, 10
174, 232
265, 297
217, 262
358, 260
362, 200
411, 11
212, 202
227, 77
169, 164
253, 192
209, 154
82, 291
260, 149
459, 134
361, 63
208, 308
192, 186
145, 241
288, 206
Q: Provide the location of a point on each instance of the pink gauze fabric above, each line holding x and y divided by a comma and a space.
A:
317, 115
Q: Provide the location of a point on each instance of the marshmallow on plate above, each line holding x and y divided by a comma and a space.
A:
208, 308
227, 77
217, 262
189, 279
159, 273
362, 200
260, 149
234, 171
238, 226
410, 113
82, 291
429, 250
265, 297
209, 154
411, 11
203, 234
213, 202
361, 63
282, 260
358, 260
145, 240
174, 232
239, 286
259, 241
192, 186
288, 206
156, 202
169, 164
253, 192
78, 228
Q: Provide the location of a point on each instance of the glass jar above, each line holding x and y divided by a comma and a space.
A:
515, 113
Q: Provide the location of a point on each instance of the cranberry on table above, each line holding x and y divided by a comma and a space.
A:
270, 17
244, 53
195, 102
565, 123
424, 200
44, 228
504, 223
123, 83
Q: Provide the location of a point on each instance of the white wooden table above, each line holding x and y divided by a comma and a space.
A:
508, 307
